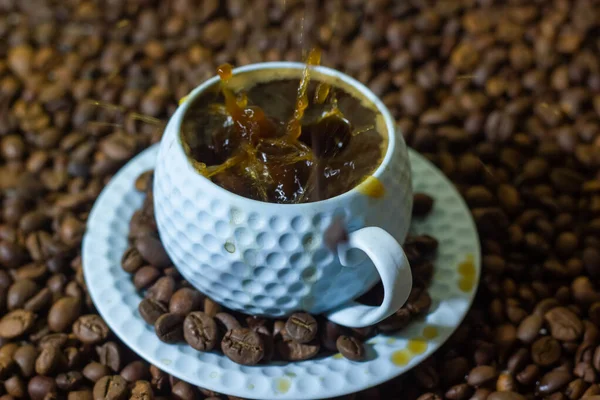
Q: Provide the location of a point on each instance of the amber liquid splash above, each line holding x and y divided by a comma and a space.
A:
268, 157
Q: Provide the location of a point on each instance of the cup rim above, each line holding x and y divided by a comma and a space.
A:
327, 71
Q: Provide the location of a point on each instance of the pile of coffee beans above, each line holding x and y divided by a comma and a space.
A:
180, 313
503, 95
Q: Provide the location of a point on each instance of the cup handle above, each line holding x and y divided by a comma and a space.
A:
394, 270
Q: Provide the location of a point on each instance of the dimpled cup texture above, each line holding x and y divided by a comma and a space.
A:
269, 259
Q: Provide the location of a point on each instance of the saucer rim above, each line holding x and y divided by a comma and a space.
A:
146, 160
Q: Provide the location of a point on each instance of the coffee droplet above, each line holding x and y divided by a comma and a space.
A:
225, 71
283, 385
372, 187
322, 92
417, 345
430, 332
466, 284
401, 357
467, 271
466, 268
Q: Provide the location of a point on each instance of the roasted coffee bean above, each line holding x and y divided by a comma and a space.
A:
144, 181
481, 375
12, 255
422, 204
94, 371
16, 323
211, 308
518, 360
553, 381
426, 376
456, 370
301, 327
200, 331
131, 260
40, 301
350, 348
184, 391
329, 334
41, 387
458, 392
279, 328
145, 277
90, 329
151, 309
15, 387
396, 321
141, 390
185, 300
169, 328
529, 328
50, 360
506, 382
25, 357
135, 371
545, 305
63, 313
69, 381
528, 375
59, 340
162, 290
545, 351
111, 387
74, 357
268, 342
418, 301
564, 324
20, 292
243, 346
226, 322
160, 380
152, 250
80, 395
291, 350
585, 371
110, 355
484, 353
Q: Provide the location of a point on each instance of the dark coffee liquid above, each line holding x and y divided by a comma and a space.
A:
247, 142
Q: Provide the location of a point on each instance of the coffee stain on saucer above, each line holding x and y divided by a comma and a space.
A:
430, 332
417, 345
401, 357
283, 385
414, 347
468, 274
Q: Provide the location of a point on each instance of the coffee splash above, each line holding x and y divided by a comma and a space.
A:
279, 159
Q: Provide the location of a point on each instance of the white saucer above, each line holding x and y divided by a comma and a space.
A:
455, 280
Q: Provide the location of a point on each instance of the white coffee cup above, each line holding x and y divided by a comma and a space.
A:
270, 259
